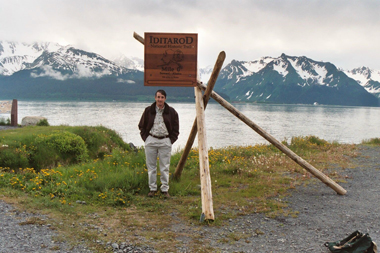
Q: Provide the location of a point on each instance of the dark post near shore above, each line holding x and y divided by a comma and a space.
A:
14, 109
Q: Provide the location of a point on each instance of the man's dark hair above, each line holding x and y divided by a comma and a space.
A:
162, 92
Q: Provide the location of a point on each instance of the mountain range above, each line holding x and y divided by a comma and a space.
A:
289, 80
49, 71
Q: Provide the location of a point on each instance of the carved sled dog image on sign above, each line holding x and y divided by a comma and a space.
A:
172, 58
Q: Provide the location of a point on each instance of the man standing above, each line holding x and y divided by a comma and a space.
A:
159, 128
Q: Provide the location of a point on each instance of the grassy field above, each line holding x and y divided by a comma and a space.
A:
88, 175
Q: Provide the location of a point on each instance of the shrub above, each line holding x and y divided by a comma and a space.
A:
43, 122
50, 146
373, 141
303, 143
100, 141
5, 122
13, 158
70, 145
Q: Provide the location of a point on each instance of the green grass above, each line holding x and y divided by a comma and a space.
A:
93, 165
5, 122
373, 141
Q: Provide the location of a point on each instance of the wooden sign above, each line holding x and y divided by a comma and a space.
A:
170, 59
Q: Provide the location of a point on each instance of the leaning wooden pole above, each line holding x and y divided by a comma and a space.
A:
138, 37
211, 83
204, 167
325, 179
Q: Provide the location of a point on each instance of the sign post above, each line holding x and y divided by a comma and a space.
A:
170, 59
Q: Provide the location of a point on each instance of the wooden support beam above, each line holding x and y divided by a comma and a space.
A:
138, 37
325, 179
204, 168
211, 83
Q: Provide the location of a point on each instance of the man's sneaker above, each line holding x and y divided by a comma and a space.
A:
152, 193
166, 194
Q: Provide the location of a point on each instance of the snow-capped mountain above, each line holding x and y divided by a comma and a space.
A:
55, 61
15, 56
290, 79
130, 62
204, 74
366, 77
52, 71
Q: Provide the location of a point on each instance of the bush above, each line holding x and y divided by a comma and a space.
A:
69, 146
100, 140
13, 158
302, 143
373, 141
47, 147
43, 122
5, 122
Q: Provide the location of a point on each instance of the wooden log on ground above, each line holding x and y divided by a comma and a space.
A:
211, 83
325, 179
204, 168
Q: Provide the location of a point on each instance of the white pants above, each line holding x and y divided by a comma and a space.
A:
161, 148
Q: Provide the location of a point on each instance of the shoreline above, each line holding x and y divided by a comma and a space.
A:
7, 127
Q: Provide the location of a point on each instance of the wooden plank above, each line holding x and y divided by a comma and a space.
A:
211, 83
325, 179
206, 193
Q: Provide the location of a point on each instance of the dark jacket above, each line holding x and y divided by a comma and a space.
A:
170, 119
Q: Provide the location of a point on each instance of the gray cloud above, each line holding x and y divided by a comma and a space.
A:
344, 32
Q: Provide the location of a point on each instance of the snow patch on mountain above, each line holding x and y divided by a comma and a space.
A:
16, 56
307, 70
280, 66
362, 75
56, 61
130, 62
10, 49
204, 73
257, 65
366, 77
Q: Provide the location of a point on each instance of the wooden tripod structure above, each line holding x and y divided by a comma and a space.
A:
199, 126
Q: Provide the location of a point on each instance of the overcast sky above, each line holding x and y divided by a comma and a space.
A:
343, 32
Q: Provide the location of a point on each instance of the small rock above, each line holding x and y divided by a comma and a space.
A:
115, 245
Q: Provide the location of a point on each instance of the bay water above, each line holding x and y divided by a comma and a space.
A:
332, 123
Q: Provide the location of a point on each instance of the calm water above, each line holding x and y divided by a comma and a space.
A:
332, 123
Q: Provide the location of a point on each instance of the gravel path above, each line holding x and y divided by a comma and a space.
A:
6, 127
19, 236
323, 216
